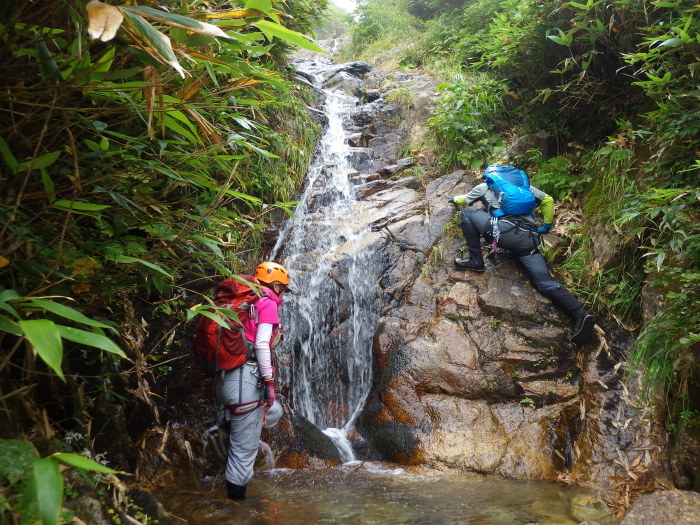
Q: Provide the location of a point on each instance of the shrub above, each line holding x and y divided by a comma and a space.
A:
468, 114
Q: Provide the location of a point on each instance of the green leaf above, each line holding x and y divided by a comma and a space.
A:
66, 311
218, 320
212, 244
39, 162
177, 128
45, 337
84, 337
179, 21
79, 461
671, 42
271, 29
49, 186
3, 302
158, 40
211, 312
261, 5
563, 39
7, 156
16, 458
244, 196
9, 326
126, 259
660, 260
476, 164
78, 206
49, 489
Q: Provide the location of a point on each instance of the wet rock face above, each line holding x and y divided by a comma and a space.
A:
471, 371
476, 371
299, 444
463, 358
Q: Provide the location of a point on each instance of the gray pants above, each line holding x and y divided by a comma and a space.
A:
525, 246
236, 387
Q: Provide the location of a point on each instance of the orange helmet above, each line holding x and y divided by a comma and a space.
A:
271, 273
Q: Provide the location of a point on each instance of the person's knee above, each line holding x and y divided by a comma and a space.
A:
546, 287
274, 414
468, 213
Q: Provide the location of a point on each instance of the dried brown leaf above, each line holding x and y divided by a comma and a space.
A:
105, 20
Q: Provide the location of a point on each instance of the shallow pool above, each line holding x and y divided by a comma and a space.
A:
370, 493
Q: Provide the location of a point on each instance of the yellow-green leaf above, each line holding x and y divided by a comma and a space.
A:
276, 30
66, 311
261, 5
78, 206
76, 460
45, 337
49, 489
84, 337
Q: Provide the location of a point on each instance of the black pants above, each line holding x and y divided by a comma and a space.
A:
525, 246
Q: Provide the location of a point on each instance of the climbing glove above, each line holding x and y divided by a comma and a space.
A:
545, 227
269, 391
451, 200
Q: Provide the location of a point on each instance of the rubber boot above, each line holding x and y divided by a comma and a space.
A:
235, 492
583, 328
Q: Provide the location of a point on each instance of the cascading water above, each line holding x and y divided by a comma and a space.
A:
330, 321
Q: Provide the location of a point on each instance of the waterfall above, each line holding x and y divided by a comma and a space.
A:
330, 321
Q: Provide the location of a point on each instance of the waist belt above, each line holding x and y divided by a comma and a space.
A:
241, 409
515, 224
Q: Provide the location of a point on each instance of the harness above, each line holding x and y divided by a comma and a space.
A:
240, 408
515, 223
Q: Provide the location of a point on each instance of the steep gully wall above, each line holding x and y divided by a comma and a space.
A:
471, 371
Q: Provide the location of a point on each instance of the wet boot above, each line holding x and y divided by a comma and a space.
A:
583, 328
582, 332
475, 262
235, 492
469, 264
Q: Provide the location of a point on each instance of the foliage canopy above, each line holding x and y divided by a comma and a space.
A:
144, 147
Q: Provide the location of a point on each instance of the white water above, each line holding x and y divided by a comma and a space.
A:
329, 327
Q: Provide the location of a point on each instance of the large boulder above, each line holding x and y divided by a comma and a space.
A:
667, 507
344, 82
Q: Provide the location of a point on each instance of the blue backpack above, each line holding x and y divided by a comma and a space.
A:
512, 187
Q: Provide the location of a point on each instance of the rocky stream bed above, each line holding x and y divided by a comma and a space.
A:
462, 373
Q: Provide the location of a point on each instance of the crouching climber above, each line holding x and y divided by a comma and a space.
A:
244, 384
508, 222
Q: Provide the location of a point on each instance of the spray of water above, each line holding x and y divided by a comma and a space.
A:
330, 321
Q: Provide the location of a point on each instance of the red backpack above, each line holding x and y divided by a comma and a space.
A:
215, 347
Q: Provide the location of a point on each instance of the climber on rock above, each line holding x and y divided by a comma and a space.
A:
508, 222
